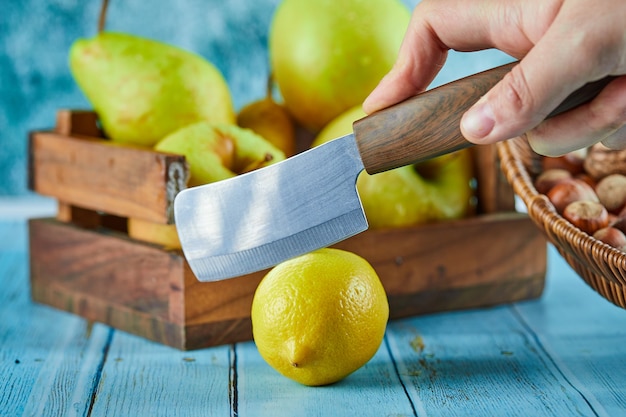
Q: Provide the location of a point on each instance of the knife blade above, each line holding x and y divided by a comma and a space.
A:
261, 218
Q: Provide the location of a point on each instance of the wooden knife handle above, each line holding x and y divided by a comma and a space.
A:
428, 125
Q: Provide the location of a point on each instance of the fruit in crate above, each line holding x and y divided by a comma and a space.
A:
270, 120
318, 317
602, 161
216, 152
328, 55
164, 235
439, 189
143, 90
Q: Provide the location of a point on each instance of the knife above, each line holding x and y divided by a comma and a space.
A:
261, 218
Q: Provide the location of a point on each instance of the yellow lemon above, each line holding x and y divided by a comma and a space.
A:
318, 317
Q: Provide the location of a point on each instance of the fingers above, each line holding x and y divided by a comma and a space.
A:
441, 25
601, 120
616, 140
561, 62
561, 49
519, 102
398, 85
420, 58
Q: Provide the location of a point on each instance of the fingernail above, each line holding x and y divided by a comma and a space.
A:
478, 122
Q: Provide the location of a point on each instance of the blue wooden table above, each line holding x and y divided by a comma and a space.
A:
561, 355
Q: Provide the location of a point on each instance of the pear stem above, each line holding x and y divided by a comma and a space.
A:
103, 15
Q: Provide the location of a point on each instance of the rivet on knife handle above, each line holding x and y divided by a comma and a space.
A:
428, 125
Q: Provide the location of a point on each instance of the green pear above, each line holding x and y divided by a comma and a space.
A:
214, 152
434, 190
143, 90
165, 235
270, 120
328, 55
219, 151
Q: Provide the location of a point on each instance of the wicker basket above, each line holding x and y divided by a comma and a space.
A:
600, 265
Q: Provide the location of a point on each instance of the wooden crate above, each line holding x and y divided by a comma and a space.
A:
84, 262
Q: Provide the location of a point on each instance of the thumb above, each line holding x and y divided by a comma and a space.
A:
548, 73
518, 103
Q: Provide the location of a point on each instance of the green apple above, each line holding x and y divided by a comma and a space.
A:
434, 190
143, 90
328, 55
219, 151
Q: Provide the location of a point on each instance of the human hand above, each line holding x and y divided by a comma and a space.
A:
562, 45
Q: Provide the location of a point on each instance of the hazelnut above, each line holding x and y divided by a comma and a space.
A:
548, 179
588, 216
618, 222
568, 191
602, 161
611, 191
612, 237
572, 162
586, 178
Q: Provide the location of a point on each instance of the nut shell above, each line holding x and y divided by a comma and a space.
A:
611, 191
612, 237
549, 178
569, 191
572, 162
602, 161
588, 216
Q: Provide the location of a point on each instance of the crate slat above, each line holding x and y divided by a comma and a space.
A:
100, 175
84, 262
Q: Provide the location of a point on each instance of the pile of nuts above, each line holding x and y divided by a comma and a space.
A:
588, 188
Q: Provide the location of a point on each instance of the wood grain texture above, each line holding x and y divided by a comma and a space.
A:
373, 390
581, 332
90, 219
561, 354
428, 125
493, 194
424, 126
100, 175
78, 122
48, 359
137, 287
456, 264
147, 379
479, 363
103, 275
86, 264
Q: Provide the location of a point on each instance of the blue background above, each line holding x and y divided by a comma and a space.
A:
35, 36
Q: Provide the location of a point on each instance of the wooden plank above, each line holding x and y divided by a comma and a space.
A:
479, 363
373, 390
570, 306
49, 359
494, 194
458, 264
90, 219
136, 287
583, 334
559, 355
140, 288
147, 379
493, 191
78, 122
100, 175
